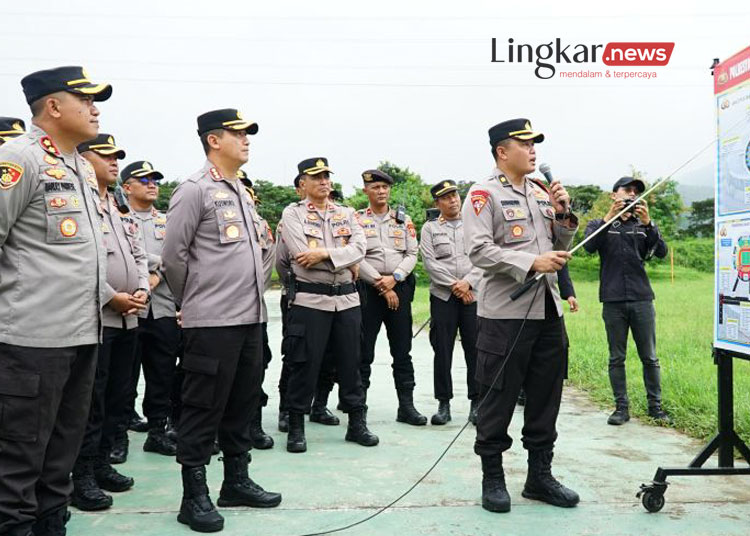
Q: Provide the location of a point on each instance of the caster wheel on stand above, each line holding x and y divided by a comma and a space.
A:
652, 496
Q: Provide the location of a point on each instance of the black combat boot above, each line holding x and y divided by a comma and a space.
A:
658, 414
473, 411
239, 490
443, 414
542, 486
197, 510
495, 497
261, 440
171, 431
119, 452
296, 439
87, 495
357, 430
157, 440
283, 421
108, 478
136, 423
319, 412
406, 411
621, 415
52, 524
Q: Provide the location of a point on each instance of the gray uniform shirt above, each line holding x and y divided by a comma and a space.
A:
391, 246
283, 262
507, 227
445, 258
268, 250
152, 225
127, 267
211, 256
52, 262
303, 227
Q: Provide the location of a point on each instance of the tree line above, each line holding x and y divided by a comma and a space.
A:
588, 201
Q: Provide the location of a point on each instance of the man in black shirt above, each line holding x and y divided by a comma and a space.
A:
626, 295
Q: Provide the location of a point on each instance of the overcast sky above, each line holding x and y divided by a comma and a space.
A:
405, 81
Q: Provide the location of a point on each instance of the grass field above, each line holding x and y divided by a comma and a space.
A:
684, 325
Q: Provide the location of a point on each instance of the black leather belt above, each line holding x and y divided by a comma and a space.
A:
325, 289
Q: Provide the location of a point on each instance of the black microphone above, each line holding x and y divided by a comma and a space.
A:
547, 172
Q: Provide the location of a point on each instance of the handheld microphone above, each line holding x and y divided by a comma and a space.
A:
545, 170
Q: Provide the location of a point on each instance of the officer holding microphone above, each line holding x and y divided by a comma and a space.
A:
517, 227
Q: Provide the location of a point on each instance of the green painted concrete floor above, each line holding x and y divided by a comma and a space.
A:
337, 483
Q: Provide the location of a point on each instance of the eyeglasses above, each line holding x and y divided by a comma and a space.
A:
145, 181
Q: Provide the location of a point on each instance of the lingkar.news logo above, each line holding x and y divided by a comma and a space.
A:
549, 56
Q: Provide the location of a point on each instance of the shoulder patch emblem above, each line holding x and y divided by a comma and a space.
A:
479, 200
412, 229
10, 174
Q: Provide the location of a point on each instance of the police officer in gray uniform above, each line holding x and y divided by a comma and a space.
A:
388, 287
126, 294
158, 332
454, 284
515, 228
325, 246
11, 128
51, 254
213, 264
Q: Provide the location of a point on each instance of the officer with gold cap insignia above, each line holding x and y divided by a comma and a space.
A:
325, 245
11, 128
52, 254
213, 262
126, 294
454, 285
389, 284
158, 332
517, 227
261, 440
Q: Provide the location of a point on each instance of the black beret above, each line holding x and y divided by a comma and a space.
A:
11, 127
72, 79
442, 188
311, 166
138, 169
103, 144
375, 175
228, 119
519, 129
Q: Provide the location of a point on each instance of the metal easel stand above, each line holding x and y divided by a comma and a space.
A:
725, 441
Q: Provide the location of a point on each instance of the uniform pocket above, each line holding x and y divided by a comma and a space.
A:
199, 389
19, 406
397, 237
516, 227
491, 355
442, 246
229, 220
62, 228
293, 345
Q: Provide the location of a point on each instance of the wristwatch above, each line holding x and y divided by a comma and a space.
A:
398, 277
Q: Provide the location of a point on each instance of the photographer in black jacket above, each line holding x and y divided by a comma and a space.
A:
626, 295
